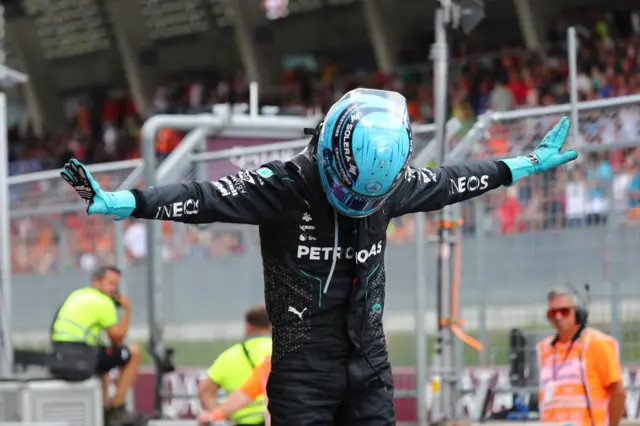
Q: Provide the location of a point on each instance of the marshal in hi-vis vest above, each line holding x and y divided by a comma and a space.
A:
575, 378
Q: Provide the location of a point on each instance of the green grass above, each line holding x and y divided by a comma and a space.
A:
402, 348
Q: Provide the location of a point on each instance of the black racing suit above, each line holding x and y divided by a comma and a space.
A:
324, 277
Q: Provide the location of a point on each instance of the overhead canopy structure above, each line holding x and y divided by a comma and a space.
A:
131, 36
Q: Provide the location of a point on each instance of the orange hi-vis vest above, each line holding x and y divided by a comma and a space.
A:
256, 384
575, 378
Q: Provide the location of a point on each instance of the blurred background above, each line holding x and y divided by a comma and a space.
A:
99, 68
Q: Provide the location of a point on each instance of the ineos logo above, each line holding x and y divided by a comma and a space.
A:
469, 184
473, 183
191, 207
187, 208
373, 187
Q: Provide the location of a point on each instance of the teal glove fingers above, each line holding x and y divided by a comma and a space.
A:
562, 158
119, 204
546, 156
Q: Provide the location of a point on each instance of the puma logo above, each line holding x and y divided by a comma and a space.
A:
295, 311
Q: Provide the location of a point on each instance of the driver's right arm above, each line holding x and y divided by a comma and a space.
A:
250, 196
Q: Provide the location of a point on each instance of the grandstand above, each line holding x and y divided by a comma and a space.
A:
99, 69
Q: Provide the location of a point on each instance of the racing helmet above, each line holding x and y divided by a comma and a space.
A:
363, 150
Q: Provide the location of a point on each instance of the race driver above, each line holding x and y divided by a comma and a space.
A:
322, 219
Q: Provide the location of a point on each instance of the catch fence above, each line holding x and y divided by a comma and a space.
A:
578, 224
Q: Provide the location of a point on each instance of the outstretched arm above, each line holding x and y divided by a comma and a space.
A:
250, 196
432, 189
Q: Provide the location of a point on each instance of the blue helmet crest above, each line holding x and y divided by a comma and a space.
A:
364, 148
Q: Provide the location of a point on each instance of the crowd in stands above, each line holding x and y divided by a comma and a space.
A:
604, 186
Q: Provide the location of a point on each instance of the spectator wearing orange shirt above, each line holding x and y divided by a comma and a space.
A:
580, 373
166, 141
509, 212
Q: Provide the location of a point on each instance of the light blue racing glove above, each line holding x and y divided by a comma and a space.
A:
118, 204
546, 156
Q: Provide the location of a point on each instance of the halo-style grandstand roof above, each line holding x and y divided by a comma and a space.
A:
70, 27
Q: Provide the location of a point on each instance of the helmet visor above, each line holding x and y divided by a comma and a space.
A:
397, 104
352, 202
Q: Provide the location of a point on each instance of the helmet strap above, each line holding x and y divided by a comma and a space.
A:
315, 133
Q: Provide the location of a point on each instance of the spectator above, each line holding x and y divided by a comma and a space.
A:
501, 97
576, 198
135, 241
634, 187
621, 186
583, 82
534, 210
517, 87
88, 261
532, 94
109, 130
554, 203
599, 178
510, 212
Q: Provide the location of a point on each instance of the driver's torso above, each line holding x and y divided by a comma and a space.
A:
317, 308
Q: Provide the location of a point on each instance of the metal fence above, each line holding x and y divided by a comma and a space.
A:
50, 229
579, 224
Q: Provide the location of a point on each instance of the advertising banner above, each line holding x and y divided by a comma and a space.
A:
219, 168
474, 382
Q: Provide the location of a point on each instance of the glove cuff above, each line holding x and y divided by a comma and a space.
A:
520, 167
120, 203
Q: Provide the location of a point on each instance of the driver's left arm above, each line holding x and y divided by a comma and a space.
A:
431, 189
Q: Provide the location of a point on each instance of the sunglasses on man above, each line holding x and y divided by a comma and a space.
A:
563, 312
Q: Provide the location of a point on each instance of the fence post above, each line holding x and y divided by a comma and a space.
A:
200, 168
612, 265
420, 309
154, 242
615, 310
121, 263
478, 205
6, 346
63, 242
118, 241
572, 49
